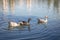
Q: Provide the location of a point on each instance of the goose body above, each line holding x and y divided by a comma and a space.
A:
24, 23
13, 24
43, 20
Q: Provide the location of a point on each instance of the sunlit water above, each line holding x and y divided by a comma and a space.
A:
35, 9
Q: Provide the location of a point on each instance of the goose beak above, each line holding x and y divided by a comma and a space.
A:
46, 16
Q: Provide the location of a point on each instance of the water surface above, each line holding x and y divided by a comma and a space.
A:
17, 10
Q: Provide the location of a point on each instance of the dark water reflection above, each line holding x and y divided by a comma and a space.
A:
15, 10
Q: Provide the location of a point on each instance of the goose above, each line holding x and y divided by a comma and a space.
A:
24, 23
14, 24
43, 20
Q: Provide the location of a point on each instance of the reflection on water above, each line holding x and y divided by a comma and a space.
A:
5, 5
29, 6
17, 10
12, 6
21, 3
21, 28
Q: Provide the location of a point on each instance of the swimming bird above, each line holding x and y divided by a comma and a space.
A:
12, 24
24, 23
43, 20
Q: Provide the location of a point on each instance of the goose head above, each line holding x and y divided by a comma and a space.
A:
46, 16
29, 19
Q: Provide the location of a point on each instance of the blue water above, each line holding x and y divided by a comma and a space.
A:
39, 9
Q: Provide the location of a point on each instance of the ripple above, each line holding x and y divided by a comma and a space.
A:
37, 32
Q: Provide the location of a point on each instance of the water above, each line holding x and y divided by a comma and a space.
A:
22, 10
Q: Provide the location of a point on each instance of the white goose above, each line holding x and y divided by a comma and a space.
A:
43, 20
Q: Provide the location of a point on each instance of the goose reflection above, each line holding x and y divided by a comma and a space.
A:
29, 28
22, 27
44, 24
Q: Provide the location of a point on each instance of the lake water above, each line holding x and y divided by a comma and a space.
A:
16, 10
